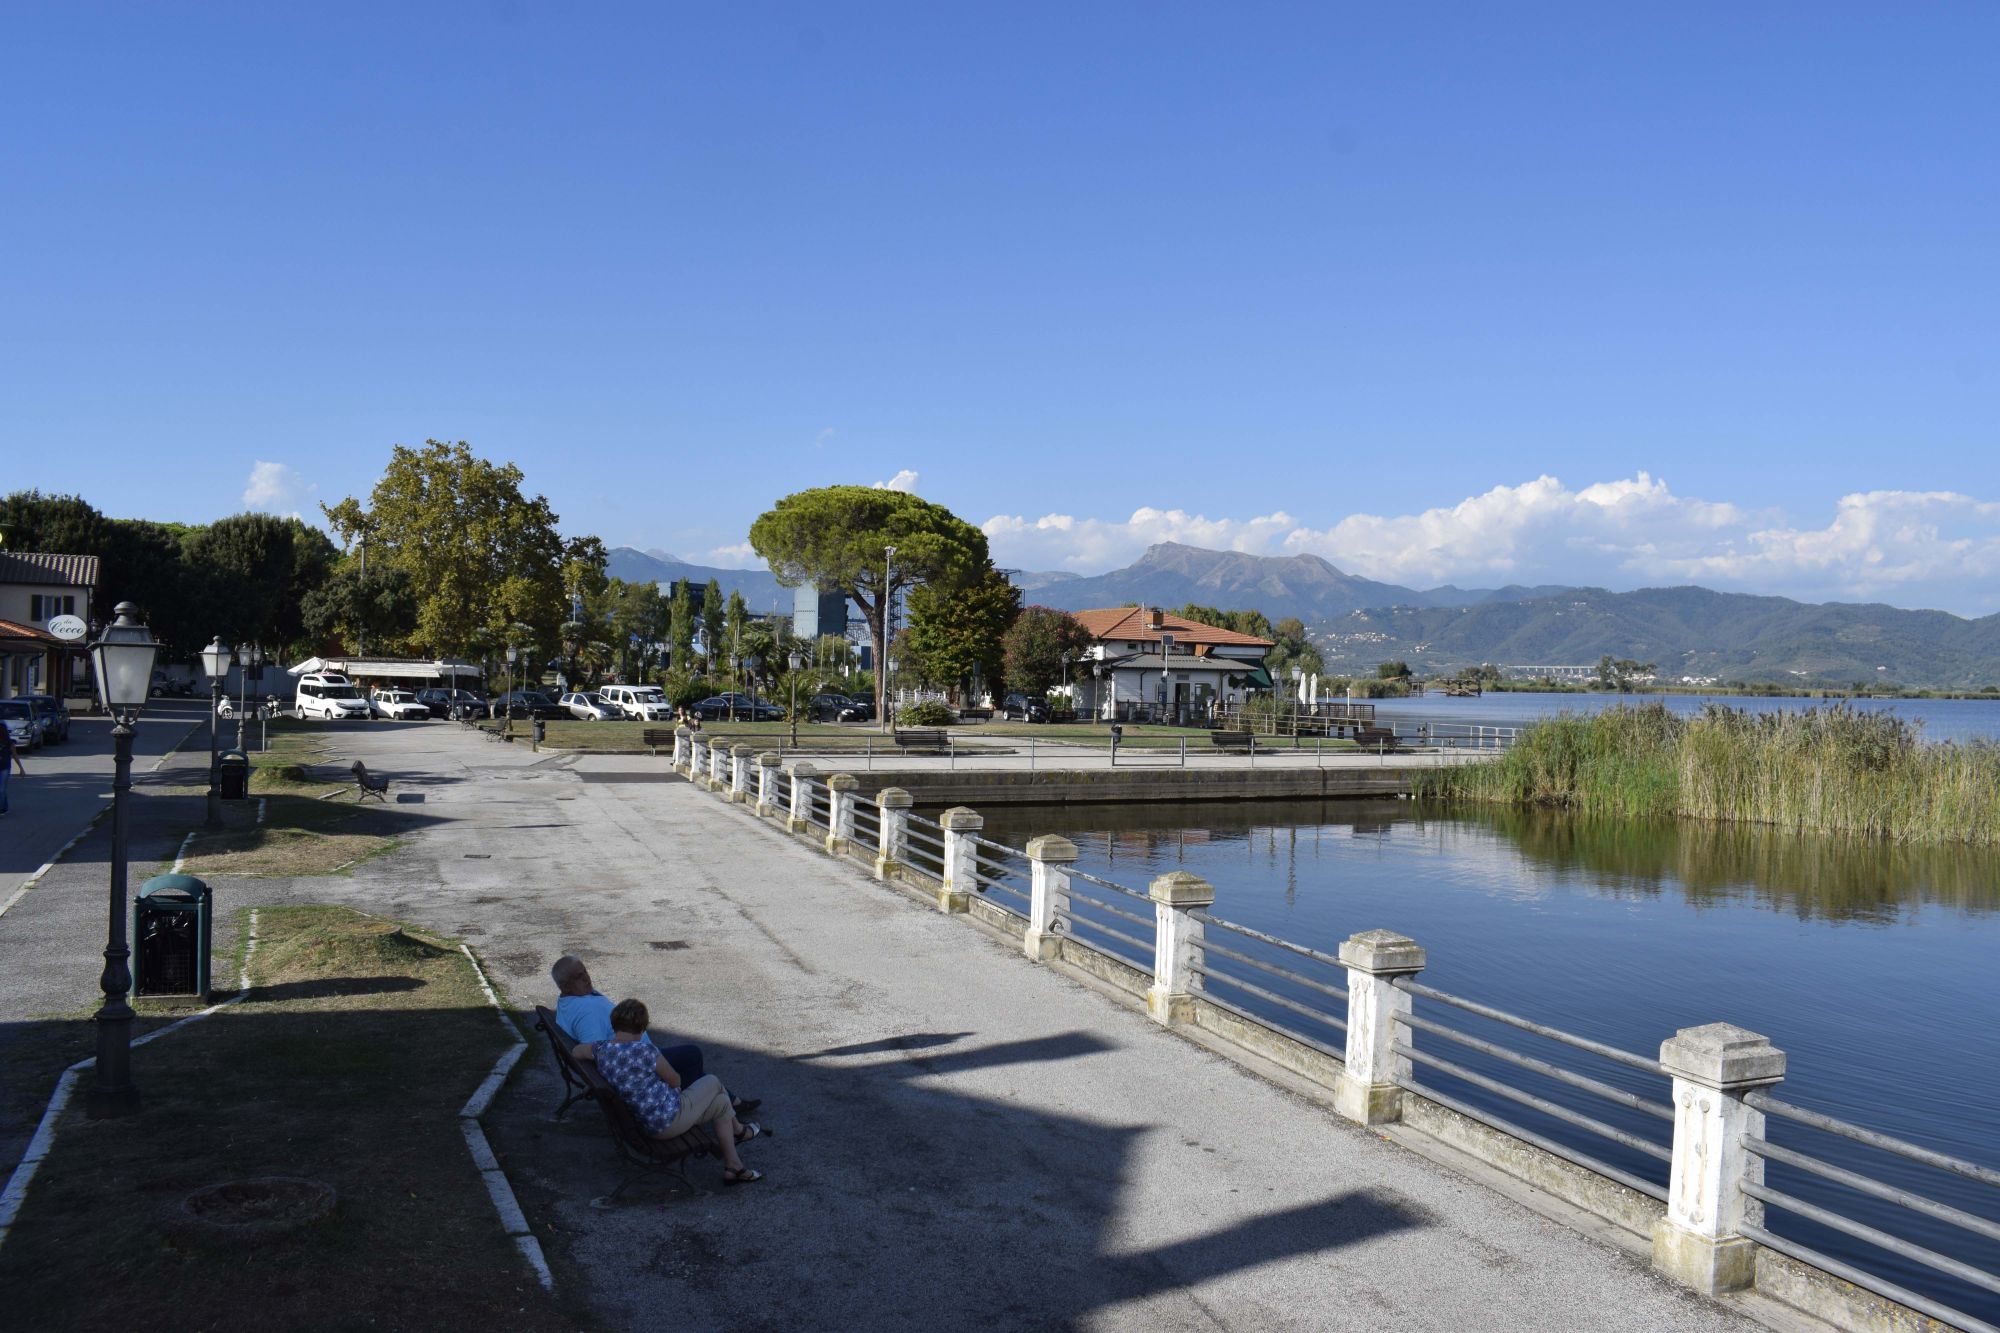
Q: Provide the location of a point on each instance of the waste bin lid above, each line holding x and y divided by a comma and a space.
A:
232, 757
186, 885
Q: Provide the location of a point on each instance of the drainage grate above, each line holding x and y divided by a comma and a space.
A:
668, 944
479, 856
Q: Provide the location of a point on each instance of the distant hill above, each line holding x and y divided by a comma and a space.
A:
1171, 574
760, 588
1034, 580
1688, 631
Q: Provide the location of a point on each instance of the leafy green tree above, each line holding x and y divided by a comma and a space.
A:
839, 537
680, 627
1292, 647
1392, 671
735, 618
347, 601
712, 615
60, 524
956, 634
1253, 623
1034, 646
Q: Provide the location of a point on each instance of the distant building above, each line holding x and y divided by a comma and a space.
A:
409, 673
1148, 663
815, 613
35, 588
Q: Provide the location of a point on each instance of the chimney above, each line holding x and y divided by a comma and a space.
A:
1155, 619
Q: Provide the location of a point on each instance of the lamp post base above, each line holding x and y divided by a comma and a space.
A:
110, 1103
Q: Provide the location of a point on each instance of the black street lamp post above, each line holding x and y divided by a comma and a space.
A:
797, 663
215, 661
123, 656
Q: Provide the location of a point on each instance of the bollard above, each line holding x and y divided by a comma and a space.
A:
1177, 944
1050, 858
840, 817
718, 772
961, 857
1697, 1242
767, 782
682, 747
1368, 1093
894, 842
800, 819
697, 761
740, 757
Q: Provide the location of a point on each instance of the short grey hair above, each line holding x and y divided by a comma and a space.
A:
566, 969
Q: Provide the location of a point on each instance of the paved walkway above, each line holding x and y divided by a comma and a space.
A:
962, 1137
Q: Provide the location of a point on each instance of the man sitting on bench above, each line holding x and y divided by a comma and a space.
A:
584, 1015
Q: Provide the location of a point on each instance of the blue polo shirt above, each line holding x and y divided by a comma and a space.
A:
586, 1018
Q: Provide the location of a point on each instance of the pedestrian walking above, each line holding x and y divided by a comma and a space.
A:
10, 759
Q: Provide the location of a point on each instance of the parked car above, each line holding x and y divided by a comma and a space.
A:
1026, 707
839, 708
329, 697
50, 713
19, 718
398, 706
641, 703
450, 703
591, 708
524, 704
170, 685
737, 707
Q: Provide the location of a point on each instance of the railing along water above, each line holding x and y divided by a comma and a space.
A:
1309, 995
1108, 904
926, 846
1003, 870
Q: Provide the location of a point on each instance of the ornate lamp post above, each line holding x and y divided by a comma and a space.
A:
123, 656
249, 657
882, 662
506, 703
215, 661
1166, 677
797, 662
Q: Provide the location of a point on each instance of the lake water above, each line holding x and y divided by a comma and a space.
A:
1875, 968
1941, 719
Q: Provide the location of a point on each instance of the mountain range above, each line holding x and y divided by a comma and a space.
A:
1358, 622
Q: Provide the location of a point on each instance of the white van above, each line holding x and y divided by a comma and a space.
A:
327, 696
641, 703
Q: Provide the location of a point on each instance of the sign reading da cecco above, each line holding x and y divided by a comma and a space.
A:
68, 628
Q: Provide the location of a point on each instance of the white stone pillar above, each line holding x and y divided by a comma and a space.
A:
1697, 1242
961, 857
1177, 944
698, 761
800, 819
1049, 859
718, 771
840, 813
682, 737
767, 782
740, 757
1368, 1093
893, 846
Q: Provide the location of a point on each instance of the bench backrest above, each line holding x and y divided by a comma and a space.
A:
625, 1127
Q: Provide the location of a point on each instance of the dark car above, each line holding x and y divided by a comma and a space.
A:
450, 703
526, 704
1026, 707
736, 707
54, 718
839, 708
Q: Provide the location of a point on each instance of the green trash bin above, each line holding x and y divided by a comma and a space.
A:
232, 774
172, 928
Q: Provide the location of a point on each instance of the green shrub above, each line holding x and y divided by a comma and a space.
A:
924, 715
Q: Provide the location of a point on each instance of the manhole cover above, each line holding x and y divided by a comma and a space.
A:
668, 944
237, 1211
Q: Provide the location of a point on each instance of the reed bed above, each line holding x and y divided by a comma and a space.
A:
1826, 770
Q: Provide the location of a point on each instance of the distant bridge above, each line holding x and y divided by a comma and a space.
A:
1587, 672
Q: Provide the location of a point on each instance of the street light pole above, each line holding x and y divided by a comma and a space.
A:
124, 660
797, 663
882, 663
215, 661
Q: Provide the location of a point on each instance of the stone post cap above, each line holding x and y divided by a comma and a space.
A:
963, 818
1051, 847
1722, 1056
1382, 953
683, 731
802, 769
894, 798
768, 759
1178, 888
843, 782
739, 751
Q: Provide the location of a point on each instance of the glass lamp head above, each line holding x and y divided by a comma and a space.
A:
215, 658
124, 655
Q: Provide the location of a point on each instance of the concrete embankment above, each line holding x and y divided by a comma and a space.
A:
987, 786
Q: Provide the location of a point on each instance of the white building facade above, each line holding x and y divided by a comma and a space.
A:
1145, 664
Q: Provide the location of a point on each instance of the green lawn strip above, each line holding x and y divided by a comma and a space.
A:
300, 835
347, 1064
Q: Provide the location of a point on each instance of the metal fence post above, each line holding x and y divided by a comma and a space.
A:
1049, 858
767, 782
961, 857
800, 818
739, 773
840, 814
893, 845
1177, 944
1368, 1093
1697, 1241
682, 737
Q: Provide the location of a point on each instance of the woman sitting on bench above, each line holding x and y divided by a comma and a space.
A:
649, 1086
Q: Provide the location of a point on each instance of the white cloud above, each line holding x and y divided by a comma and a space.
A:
740, 556
906, 480
1930, 548
275, 488
826, 433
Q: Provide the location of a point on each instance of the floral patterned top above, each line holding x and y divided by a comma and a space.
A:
632, 1067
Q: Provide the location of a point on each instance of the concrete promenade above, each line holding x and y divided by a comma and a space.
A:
961, 1137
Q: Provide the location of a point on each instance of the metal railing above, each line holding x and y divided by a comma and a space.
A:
924, 846
1000, 869
1318, 989
1562, 1147
1069, 922
1955, 1222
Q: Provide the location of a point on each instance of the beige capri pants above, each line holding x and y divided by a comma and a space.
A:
703, 1100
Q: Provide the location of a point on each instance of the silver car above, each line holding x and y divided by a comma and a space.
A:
18, 716
591, 708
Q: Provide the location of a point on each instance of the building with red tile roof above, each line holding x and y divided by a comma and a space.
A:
1146, 663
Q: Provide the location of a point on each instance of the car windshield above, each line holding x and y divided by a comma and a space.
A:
14, 708
650, 695
338, 692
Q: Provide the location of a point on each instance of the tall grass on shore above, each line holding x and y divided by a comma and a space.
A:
1828, 770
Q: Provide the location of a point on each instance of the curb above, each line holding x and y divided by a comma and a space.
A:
512, 1219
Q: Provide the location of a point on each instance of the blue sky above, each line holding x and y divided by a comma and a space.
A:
1610, 294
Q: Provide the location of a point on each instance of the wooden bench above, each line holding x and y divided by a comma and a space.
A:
581, 1082
1234, 741
975, 715
368, 784
1375, 738
922, 738
654, 737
